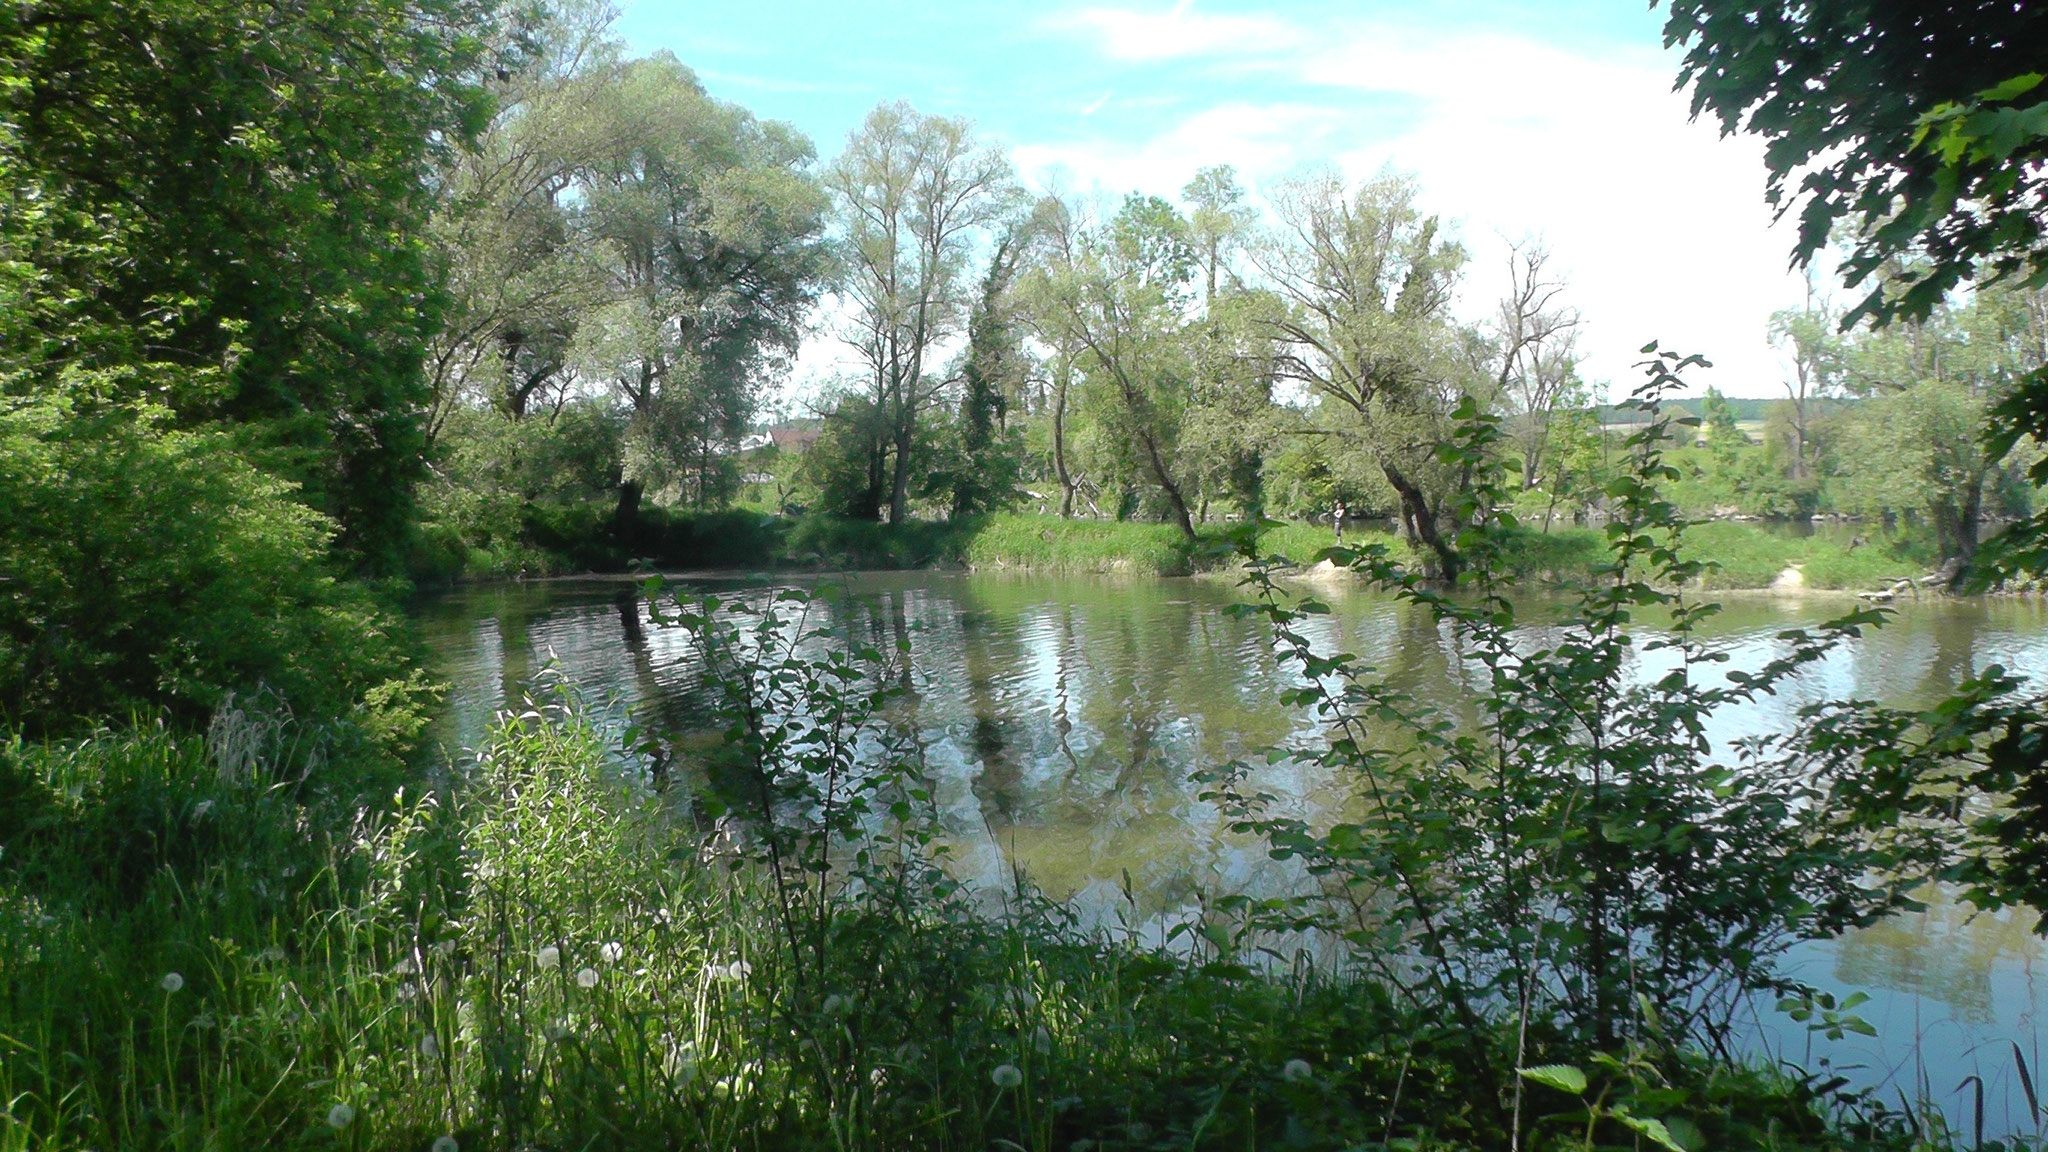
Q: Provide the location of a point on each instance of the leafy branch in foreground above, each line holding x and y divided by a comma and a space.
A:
1578, 856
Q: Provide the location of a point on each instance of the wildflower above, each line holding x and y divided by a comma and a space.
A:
611, 952
549, 959
340, 1116
586, 978
1295, 1071
446, 1144
172, 981
430, 1047
836, 1005
1006, 1076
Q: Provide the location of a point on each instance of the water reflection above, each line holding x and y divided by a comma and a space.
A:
1061, 716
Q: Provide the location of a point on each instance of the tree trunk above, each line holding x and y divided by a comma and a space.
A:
626, 517
899, 487
1059, 451
1166, 484
1420, 520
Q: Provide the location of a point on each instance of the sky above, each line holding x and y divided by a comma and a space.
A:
1554, 120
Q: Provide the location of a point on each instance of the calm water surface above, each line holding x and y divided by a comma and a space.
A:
1062, 716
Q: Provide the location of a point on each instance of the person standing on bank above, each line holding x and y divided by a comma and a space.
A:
1337, 519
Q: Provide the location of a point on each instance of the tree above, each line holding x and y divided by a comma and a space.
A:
266, 167
518, 268
1218, 220
1117, 298
1808, 336
913, 193
1921, 130
984, 477
1916, 446
1842, 91
1538, 352
1367, 279
711, 236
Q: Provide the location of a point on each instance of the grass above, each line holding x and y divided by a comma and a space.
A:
580, 538
541, 954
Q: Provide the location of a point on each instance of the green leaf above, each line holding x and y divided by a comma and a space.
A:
1562, 1077
1655, 1130
2017, 86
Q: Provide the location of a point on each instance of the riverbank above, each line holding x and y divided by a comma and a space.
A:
538, 952
1745, 556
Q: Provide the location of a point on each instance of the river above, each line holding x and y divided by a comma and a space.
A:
1062, 714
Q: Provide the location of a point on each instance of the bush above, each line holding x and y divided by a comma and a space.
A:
144, 568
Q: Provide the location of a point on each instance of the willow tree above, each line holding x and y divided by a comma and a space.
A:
1367, 282
517, 269
914, 194
1118, 299
709, 231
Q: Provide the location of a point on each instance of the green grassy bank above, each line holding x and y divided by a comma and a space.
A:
536, 954
582, 539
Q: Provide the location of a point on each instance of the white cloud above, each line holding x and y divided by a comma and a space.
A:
1260, 139
1179, 31
1659, 223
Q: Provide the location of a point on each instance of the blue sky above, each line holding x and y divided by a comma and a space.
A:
1519, 119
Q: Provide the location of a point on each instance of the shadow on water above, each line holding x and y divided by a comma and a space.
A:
1061, 717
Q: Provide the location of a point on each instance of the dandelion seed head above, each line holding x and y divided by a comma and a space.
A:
1295, 1071
172, 981
549, 959
429, 1046
837, 1005
446, 1144
1006, 1076
586, 978
340, 1116
611, 952
200, 809
908, 1051
1041, 1040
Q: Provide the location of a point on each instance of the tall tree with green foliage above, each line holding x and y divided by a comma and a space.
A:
914, 193
518, 266
1367, 279
266, 169
1119, 299
1916, 448
1809, 338
985, 475
710, 233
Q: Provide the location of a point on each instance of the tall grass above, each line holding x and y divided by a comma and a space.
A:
545, 954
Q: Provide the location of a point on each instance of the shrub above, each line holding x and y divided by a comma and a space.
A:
146, 568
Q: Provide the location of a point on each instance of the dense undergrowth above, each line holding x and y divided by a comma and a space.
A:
541, 955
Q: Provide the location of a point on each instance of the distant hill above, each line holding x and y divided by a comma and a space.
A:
1748, 409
